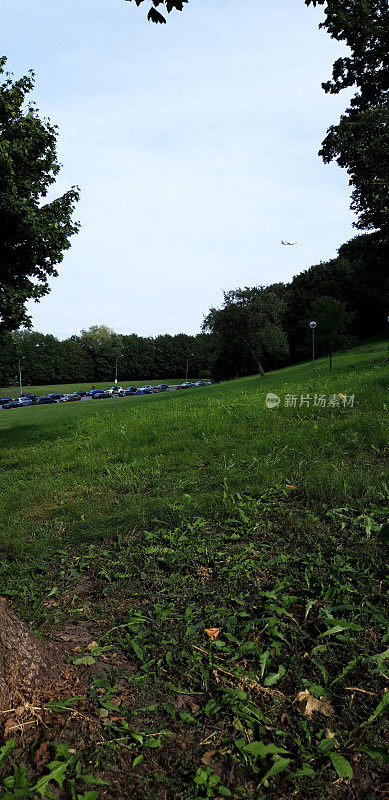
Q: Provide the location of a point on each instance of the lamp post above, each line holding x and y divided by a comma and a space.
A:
187, 365
20, 375
116, 375
312, 326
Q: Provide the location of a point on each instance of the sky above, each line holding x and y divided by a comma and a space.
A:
194, 145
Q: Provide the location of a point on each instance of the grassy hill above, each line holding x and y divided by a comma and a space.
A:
225, 557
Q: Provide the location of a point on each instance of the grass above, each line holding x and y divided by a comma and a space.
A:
198, 511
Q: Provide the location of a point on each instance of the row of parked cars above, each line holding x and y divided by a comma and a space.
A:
95, 394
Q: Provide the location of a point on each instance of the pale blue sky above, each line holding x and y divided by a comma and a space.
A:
195, 148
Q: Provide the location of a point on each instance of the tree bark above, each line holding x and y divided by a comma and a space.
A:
258, 363
26, 662
330, 362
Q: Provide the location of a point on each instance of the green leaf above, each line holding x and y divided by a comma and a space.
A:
201, 776
261, 750
57, 774
384, 534
6, 749
137, 760
274, 677
341, 766
90, 780
306, 771
88, 796
223, 791
326, 745
61, 705
87, 660
308, 607
380, 708
153, 743
279, 766
339, 628
348, 668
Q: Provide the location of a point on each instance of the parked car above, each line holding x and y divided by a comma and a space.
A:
145, 390
72, 398
30, 396
55, 395
115, 389
101, 396
93, 391
46, 400
186, 385
131, 389
80, 392
12, 404
162, 387
25, 401
4, 400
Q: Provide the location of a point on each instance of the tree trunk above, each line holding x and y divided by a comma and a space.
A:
261, 370
258, 363
330, 362
26, 662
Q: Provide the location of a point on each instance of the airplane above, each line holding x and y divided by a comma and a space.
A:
289, 244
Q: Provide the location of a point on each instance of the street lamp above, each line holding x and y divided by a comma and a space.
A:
20, 374
312, 326
187, 364
116, 370
116, 375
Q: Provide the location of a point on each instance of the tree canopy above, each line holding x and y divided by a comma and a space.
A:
33, 234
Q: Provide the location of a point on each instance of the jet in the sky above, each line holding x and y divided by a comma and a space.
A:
289, 244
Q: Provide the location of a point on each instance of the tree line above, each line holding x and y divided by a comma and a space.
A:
92, 357
263, 327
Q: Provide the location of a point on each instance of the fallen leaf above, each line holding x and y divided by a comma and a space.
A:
41, 753
308, 704
213, 633
92, 644
206, 759
341, 395
291, 486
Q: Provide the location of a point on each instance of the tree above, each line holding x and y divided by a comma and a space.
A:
333, 322
33, 234
360, 141
249, 323
103, 347
360, 144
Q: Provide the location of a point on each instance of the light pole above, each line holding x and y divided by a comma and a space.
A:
187, 365
312, 326
116, 375
20, 375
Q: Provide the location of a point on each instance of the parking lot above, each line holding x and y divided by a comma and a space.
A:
81, 395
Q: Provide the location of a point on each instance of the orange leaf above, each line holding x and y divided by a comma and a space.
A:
213, 633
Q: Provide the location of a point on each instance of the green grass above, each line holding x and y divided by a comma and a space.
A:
205, 509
